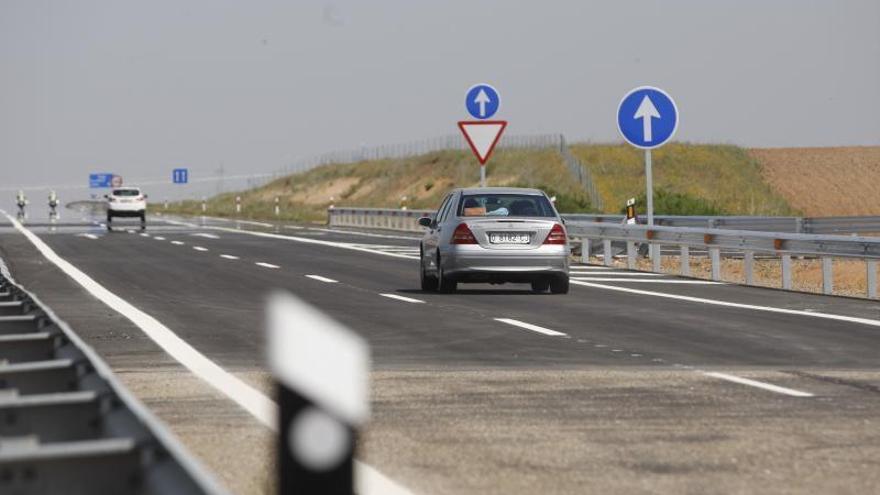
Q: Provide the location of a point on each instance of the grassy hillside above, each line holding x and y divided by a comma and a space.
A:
382, 183
825, 181
725, 178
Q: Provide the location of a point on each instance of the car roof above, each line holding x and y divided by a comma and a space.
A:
501, 190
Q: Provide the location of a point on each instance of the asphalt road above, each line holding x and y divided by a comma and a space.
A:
629, 384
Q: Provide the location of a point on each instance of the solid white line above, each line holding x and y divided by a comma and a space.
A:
754, 383
769, 309
529, 326
402, 298
266, 265
89, 236
368, 480
615, 274
200, 248
365, 234
158, 238
648, 280
177, 243
322, 279
208, 236
229, 256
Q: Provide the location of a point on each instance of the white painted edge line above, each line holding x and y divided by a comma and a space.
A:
159, 238
647, 280
322, 279
402, 298
229, 257
205, 235
368, 480
769, 309
177, 243
529, 326
754, 383
365, 234
615, 274
200, 248
267, 265
303, 240
89, 236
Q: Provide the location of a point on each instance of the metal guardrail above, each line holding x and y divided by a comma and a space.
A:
799, 225
68, 426
780, 244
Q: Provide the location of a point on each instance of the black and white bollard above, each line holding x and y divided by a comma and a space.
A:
238, 204
321, 371
277, 207
204, 205
631, 218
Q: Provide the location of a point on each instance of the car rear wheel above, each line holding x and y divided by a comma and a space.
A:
559, 285
445, 284
540, 286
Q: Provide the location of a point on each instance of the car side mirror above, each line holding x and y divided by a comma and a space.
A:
426, 222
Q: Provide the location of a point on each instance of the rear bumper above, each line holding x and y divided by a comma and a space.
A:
476, 264
126, 213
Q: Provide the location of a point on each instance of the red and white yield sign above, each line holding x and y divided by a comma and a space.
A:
482, 136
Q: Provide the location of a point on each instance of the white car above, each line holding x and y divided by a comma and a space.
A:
127, 202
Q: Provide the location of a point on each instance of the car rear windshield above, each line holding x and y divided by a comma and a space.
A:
505, 205
126, 192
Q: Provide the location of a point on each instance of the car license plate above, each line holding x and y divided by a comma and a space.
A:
509, 238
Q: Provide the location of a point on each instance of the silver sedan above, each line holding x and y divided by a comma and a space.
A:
495, 235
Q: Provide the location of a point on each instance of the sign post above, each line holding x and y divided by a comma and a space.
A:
647, 118
180, 175
482, 102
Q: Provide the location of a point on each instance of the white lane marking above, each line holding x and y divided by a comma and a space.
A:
615, 274
322, 279
144, 234
754, 383
200, 248
266, 265
131, 231
648, 280
89, 236
402, 298
205, 235
303, 240
229, 256
177, 243
769, 309
365, 234
159, 238
529, 326
590, 267
368, 480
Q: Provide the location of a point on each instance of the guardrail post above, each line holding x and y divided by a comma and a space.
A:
827, 275
715, 256
656, 258
749, 267
606, 248
786, 271
631, 255
585, 250
685, 261
872, 278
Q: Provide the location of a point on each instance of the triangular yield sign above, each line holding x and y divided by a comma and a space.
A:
482, 136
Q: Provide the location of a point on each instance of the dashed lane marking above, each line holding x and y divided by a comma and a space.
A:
402, 298
200, 248
322, 279
529, 326
229, 257
267, 265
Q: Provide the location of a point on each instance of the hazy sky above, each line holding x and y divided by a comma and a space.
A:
140, 87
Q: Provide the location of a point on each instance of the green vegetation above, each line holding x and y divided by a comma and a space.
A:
724, 177
689, 180
423, 180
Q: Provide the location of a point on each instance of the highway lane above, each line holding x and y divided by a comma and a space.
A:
451, 356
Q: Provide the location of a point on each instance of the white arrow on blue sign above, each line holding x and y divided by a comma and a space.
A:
647, 117
482, 101
180, 175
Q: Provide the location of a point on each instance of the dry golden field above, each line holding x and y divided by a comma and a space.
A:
820, 182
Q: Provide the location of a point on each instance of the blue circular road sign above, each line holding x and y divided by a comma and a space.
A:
647, 117
482, 101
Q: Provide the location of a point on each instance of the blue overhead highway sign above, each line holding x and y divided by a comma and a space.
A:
100, 180
482, 101
647, 117
180, 175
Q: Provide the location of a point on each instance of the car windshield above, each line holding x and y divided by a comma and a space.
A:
126, 192
505, 205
